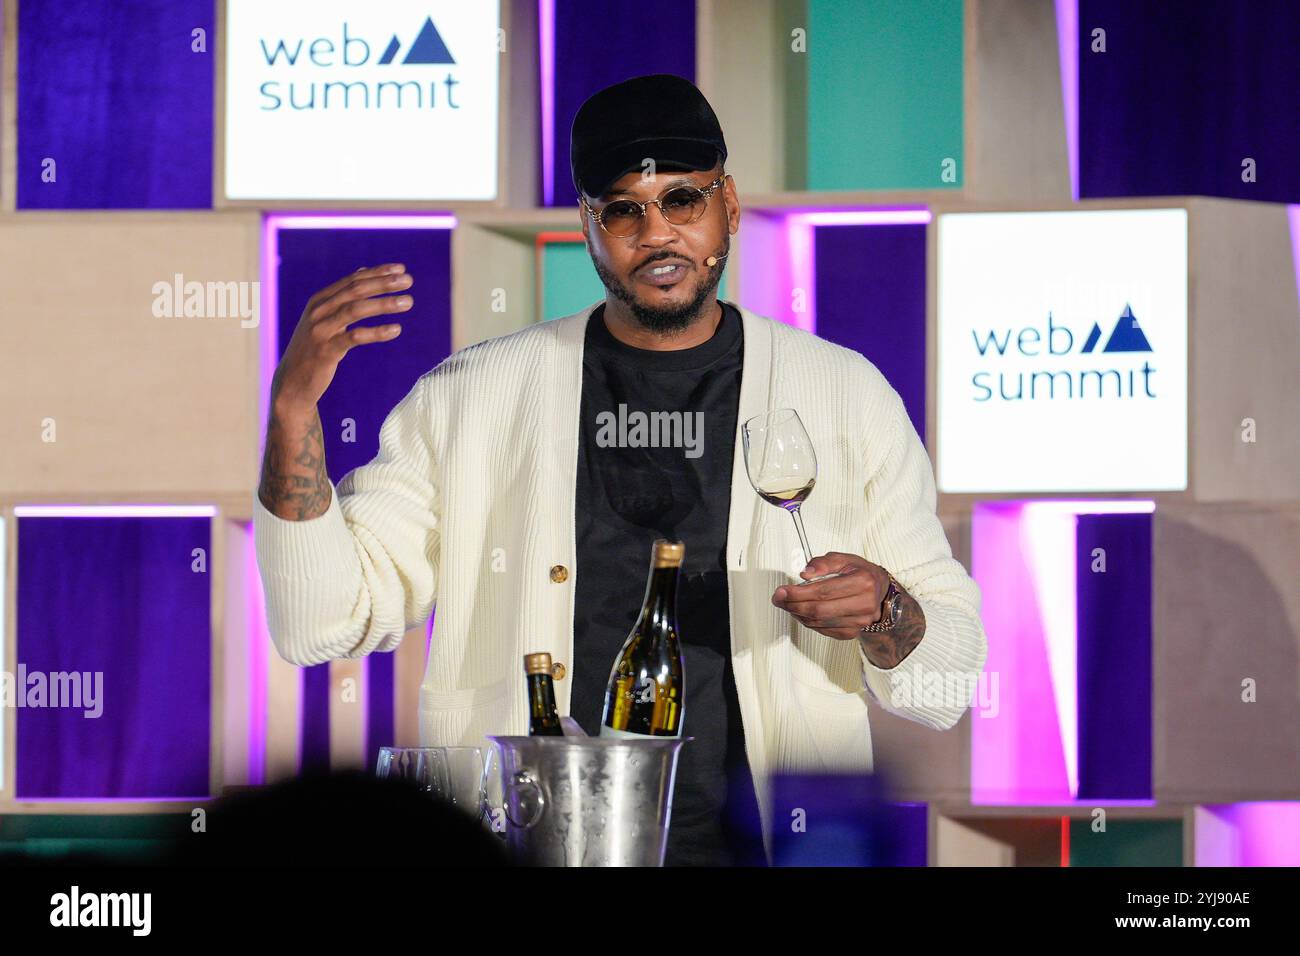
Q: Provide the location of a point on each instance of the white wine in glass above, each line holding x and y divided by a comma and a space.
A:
785, 493
782, 466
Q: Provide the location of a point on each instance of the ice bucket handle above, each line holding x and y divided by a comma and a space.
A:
521, 783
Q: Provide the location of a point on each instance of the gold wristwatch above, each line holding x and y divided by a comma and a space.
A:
891, 610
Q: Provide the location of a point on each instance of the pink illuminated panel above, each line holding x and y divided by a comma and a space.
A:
1025, 750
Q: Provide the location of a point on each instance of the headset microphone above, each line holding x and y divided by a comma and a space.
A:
712, 261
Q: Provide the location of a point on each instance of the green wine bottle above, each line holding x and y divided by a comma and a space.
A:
542, 719
645, 694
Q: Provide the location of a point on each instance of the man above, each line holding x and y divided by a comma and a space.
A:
504, 491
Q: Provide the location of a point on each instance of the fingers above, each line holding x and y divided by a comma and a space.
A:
828, 619
360, 299
844, 583
831, 603
829, 563
824, 577
364, 309
365, 334
834, 613
365, 272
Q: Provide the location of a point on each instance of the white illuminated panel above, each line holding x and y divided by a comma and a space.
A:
332, 99
1062, 351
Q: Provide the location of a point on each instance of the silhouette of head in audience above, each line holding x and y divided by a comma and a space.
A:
342, 819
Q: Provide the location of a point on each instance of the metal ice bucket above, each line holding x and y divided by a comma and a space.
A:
588, 801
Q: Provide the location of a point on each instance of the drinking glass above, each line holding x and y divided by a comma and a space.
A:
468, 769
782, 466
455, 775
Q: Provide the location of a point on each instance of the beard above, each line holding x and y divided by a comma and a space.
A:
667, 318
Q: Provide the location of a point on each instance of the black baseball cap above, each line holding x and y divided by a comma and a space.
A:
661, 117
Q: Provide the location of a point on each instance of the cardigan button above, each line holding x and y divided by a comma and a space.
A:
559, 574
558, 671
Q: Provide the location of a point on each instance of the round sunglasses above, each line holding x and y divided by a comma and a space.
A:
681, 206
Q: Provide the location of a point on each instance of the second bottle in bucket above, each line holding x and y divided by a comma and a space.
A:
645, 696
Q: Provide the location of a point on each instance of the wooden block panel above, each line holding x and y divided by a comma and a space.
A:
1015, 124
1225, 607
8, 106
959, 844
105, 400
1018, 841
349, 691
283, 750
745, 88
408, 675
1243, 352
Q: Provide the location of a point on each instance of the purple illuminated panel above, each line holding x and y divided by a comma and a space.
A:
1218, 65
647, 40
1027, 749
381, 722
116, 103
779, 279
259, 651
306, 253
870, 297
117, 602
546, 83
777, 260
372, 378
1113, 584
314, 738
1248, 834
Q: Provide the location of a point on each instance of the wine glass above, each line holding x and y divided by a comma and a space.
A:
468, 769
455, 775
426, 767
782, 466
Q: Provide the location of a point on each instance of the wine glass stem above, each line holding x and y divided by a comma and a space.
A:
803, 537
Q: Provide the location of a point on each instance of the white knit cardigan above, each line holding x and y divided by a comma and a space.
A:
470, 504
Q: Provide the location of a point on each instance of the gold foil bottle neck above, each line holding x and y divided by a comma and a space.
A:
537, 663
668, 554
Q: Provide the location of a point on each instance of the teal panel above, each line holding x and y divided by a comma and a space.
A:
119, 838
569, 281
1127, 843
884, 94
82, 826
122, 852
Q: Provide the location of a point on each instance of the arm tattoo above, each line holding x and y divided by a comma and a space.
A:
295, 484
888, 648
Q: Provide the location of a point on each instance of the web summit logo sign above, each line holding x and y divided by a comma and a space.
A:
309, 61
1106, 374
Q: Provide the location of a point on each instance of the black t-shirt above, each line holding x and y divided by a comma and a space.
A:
628, 495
